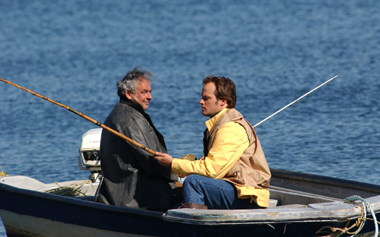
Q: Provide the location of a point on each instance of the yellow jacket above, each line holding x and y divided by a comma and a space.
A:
232, 156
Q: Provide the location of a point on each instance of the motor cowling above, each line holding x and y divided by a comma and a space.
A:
89, 151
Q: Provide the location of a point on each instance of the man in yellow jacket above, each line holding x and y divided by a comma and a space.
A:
233, 173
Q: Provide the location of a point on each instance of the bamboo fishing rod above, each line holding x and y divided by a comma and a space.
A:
85, 117
297, 100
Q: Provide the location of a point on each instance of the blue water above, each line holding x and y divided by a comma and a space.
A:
74, 52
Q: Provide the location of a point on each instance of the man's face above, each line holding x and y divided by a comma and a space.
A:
142, 94
210, 105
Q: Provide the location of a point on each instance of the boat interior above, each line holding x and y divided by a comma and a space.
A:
284, 191
291, 188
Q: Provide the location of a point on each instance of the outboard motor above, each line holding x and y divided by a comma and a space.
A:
89, 153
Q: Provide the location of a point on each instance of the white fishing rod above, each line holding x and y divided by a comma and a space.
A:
297, 100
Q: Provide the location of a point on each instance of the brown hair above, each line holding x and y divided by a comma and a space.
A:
224, 89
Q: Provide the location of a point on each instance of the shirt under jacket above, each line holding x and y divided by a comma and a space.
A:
229, 144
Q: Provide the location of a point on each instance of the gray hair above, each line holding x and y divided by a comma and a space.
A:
129, 81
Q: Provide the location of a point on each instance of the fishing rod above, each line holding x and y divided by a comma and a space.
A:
85, 117
297, 100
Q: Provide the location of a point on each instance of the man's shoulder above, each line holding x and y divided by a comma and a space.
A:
127, 109
233, 126
123, 113
233, 114
234, 121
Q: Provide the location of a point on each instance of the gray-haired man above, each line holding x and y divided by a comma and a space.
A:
132, 177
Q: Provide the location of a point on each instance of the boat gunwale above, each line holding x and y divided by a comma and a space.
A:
325, 180
77, 201
338, 212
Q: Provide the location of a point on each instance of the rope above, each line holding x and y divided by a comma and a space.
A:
359, 223
3, 173
368, 205
73, 190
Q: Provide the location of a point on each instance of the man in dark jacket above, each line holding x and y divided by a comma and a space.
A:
131, 176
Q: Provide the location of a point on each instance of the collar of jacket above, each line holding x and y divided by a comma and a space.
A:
211, 122
140, 109
137, 107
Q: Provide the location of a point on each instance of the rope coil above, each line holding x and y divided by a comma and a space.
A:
3, 173
359, 223
73, 190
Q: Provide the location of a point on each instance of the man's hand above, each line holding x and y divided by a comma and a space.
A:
163, 159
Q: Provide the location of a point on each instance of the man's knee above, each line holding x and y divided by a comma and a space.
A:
192, 180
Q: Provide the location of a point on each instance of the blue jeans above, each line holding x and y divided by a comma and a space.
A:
214, 193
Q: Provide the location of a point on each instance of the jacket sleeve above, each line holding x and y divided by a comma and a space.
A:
140, 131
230, 142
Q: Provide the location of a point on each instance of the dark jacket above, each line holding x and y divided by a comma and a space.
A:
131, 176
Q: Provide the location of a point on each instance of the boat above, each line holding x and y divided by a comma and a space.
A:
300, 205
